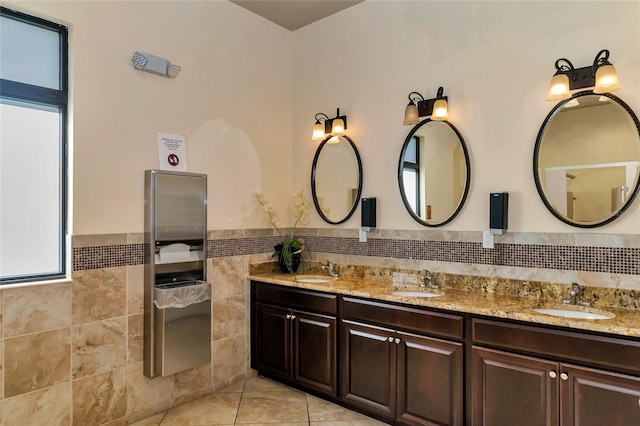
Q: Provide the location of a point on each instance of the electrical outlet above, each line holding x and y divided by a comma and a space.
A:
363, 235
487, 239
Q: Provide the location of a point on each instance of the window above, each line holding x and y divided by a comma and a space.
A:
33, 148
411, 174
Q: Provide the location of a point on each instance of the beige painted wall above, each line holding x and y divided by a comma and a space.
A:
248, 90
232, 101
494, 60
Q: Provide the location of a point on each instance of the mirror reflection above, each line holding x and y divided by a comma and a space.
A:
433, 172
587, 158
336, 179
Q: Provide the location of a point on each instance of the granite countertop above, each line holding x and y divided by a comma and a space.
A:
626, 321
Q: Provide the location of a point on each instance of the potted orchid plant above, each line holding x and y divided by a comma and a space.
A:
289, 249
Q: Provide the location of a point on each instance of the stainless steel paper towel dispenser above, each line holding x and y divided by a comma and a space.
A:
177, 298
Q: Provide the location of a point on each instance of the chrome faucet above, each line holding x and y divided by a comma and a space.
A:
329, 267
427, 280
574, 297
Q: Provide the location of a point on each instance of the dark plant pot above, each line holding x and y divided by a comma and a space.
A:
291, 266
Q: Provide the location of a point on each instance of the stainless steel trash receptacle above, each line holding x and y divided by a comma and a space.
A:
183, 326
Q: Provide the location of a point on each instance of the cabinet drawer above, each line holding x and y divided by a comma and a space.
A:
604, 351
404, 317
295, 298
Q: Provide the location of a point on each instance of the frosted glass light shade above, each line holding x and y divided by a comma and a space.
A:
318, 132
411, 115
337, 128
333, 140
559, 88
606, 79
440, 110
572, 103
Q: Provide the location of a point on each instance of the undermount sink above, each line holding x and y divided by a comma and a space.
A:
574, 313
314, 279
403, 293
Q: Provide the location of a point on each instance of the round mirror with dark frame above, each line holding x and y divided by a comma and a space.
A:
434, 172
336, 179
586, 160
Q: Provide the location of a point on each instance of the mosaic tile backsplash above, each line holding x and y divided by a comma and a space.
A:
612, 260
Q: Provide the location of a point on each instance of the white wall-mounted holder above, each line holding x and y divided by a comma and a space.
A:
487, 240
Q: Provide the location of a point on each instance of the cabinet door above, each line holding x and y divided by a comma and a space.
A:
510, 389
595, 398
272, 340
314, 352
430, 387
368, 368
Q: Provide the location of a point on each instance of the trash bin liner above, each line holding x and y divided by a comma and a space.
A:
182, 296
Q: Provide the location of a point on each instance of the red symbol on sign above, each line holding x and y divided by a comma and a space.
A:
173, 160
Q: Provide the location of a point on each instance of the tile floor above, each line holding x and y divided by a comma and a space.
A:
258, 401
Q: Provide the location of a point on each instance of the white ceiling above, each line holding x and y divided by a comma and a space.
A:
294, 14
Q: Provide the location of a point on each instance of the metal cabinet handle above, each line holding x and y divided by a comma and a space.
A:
564, 376
397, 340
390, 339
293, 317
552, 374
289, 316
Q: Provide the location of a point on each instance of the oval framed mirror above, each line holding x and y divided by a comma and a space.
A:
434, 172
336, 179
586, 160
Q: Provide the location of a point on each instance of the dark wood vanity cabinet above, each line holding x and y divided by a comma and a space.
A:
416, 366
290, 341
272, 340
412, 378
538, 390
368, 368
510, 389
596, 397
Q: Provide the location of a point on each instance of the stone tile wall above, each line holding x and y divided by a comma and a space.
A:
72, 352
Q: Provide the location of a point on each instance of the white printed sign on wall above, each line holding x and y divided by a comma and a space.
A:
172, 152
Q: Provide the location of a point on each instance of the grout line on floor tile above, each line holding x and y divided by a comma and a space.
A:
163, 417
235, 418
267, 422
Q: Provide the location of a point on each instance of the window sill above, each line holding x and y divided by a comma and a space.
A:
35, 283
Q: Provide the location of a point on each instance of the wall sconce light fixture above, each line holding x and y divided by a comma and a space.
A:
601, 76
154, 64
437, 108
326, 126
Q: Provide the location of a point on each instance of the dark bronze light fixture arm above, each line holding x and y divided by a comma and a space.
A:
425, 107
602, 58
581, 78
328, 123
566, 68
601, 75
320, 116
417, 97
